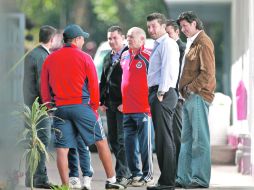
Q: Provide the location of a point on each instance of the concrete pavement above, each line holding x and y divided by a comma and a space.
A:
223, 177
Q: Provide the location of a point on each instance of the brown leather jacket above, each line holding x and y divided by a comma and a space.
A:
199, 69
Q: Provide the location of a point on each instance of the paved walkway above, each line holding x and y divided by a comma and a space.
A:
223, 177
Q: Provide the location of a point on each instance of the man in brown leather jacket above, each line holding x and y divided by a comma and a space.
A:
197, 85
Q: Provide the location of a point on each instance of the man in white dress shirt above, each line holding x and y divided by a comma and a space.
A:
162, 80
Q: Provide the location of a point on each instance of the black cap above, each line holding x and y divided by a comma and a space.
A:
73, 30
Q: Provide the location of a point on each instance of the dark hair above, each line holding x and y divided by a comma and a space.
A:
157, 16
67, 40
46, 33
172, 23
190, 16
116, 28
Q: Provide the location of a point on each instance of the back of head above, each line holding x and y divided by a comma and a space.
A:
116, 28
46, 33
73, 31
190, 16
157, 16
172, 23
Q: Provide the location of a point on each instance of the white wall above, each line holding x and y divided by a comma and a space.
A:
243, 59
251, 75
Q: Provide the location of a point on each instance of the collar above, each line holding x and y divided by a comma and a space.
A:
70, 45
44, 47
119, 52
160, 39
191, 39
137, 52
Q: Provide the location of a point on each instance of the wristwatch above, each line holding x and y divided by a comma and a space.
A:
160, 93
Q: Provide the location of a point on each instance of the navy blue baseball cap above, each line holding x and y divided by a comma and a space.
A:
73, 30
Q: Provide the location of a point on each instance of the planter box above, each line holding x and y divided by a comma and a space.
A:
223, 155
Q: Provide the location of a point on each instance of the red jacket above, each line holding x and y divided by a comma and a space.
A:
69, 77
134, 81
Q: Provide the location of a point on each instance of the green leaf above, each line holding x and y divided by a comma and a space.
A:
34, 147
63, 187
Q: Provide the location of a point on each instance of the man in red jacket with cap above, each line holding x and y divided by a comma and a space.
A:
69, 79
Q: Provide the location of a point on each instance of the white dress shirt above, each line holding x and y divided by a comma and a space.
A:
164, 64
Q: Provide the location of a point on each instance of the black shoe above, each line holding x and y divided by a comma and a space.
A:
178, 185
160, 187
115, 185
194, 185
46, 185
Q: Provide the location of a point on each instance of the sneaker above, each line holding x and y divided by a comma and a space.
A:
86, 185
115, 185
122, 180
74, 183
143, 182
133, 180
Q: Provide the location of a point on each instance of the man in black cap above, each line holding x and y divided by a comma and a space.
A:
76, 95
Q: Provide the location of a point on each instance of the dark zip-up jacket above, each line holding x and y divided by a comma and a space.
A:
111, 90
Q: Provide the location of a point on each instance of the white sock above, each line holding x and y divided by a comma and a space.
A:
112, 179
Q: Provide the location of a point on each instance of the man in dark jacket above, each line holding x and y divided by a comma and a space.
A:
111, 99
31, 89
173, 31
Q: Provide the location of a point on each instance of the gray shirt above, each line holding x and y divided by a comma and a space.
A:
164, 64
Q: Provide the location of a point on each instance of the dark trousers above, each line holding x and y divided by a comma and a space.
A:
116, 140
162, 115
177, 127
40, 175
81, 156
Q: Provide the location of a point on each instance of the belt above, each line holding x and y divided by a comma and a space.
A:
153, 88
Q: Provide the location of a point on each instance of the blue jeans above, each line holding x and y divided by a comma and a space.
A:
84, 159
40, 176
137, 137
194, 163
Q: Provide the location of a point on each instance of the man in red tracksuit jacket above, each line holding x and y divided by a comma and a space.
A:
136, 110
69, 79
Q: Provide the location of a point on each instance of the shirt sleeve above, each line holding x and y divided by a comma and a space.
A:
45, 86
169, 66
30, 89
93, 86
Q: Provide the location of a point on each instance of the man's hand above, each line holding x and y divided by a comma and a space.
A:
160, 95
160, 98
120, 108
186, 91
103, 108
